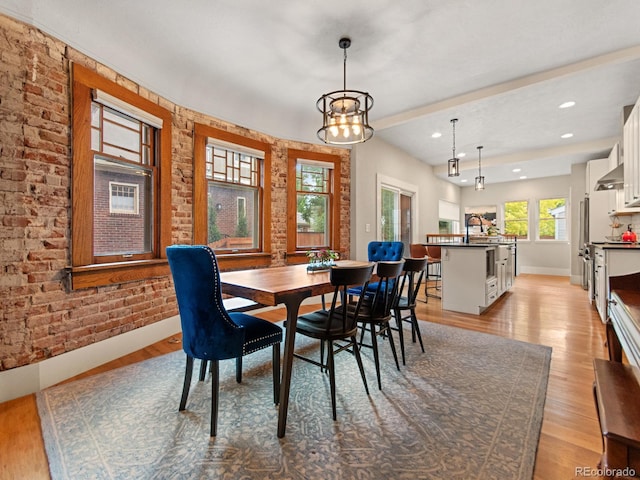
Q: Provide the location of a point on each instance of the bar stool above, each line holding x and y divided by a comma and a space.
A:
434, 254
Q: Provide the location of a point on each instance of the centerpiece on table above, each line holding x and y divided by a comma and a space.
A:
321, 260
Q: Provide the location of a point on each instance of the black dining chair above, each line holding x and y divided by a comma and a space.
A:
209, 332
376, 310
338, 323
412, 276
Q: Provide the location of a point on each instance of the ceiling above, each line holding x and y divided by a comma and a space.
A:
502, 67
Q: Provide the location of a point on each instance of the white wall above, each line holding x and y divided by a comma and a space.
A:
546, 258
376, 157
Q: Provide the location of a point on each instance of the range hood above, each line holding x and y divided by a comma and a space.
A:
613, 179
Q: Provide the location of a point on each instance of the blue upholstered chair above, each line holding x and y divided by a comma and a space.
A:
381, 251
385, 251
209, 332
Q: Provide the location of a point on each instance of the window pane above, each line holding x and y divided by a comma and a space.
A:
516, 219
389, 221
233, 215
311, 178
312, 222
117, 233
124, 198
122, 137
552, 222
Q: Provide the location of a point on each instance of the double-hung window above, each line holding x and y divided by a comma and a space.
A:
230, 201
121, 183
516, 219
313, 201
552, 219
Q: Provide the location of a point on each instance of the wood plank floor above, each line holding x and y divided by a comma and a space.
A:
539, 309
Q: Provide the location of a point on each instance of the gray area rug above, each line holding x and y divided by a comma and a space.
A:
469, 408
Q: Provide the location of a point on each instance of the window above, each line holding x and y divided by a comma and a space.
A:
121, 183
312, 197
123, 198
233, 181
313, 201
516, 219
449, 221
552, 219
231, 205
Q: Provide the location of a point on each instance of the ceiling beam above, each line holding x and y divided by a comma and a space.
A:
596, 146
619, 56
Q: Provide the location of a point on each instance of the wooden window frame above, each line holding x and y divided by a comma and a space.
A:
240, 259
294, 255
84, 272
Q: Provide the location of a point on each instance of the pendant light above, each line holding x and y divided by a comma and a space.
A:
453, 163
345, 113
480, 178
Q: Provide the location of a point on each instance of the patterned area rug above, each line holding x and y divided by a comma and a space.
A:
469, 408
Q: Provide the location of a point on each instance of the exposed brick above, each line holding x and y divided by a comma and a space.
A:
39, 317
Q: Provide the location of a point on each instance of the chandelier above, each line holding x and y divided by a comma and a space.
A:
345, 113
479, 179
453, 167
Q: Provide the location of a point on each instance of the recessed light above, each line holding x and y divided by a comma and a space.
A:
567, 104
464, 180
523, 177
516, 170
566, 135
462, 154
436, 135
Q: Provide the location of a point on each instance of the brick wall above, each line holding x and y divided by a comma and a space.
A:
39, 317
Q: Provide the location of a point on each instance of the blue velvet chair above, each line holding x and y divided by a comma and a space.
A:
209, 332
381, 251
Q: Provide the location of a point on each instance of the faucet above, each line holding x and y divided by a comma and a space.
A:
473, 215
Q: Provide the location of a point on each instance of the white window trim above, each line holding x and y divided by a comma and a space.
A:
566, 219
405, 188
136, 199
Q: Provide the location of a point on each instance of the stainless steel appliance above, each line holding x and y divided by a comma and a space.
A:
585, 250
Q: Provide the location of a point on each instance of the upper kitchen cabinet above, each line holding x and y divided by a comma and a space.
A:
631, 157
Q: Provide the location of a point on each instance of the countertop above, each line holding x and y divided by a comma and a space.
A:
468, 245
617, 246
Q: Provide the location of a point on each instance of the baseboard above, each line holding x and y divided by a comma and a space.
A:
21, 381
557, 272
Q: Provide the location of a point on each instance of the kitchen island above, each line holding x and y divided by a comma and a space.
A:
474, 275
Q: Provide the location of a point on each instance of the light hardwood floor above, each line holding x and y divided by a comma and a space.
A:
539, 309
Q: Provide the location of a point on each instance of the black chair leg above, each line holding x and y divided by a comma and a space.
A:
239, 369
356, 351
187, 383
215, 380
332, 379
376, 357
275, 361
203, 370
387, 330
399, 321
416, 328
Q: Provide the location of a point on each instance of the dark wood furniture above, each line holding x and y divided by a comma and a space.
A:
272, 286
617, 385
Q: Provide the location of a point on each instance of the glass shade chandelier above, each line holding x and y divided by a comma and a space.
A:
479, 179
345, 113
453, 169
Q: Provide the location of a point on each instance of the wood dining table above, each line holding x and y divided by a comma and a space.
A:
290, 286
